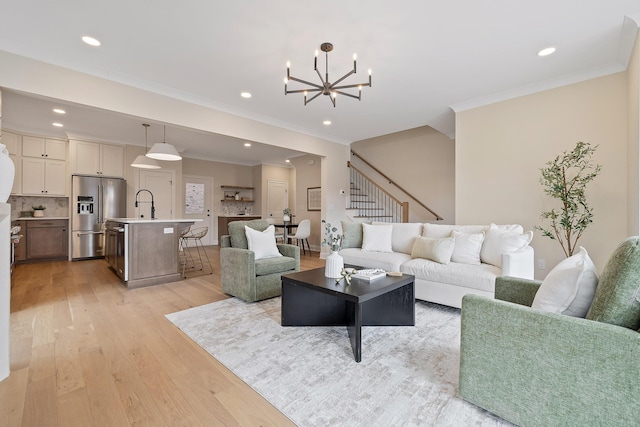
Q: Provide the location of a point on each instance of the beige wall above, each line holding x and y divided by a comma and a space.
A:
501, 148
420, 160
307, 175
633, 135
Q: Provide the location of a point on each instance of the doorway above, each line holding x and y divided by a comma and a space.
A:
198, 197
277, 198
160, 183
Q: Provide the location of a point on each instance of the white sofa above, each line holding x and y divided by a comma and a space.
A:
504, 251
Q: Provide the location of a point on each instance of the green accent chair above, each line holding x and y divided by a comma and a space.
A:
244, 277
534, 368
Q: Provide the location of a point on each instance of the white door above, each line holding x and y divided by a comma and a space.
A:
160, 183
277, 198
198, 195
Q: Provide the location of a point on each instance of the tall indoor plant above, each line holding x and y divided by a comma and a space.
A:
565, 178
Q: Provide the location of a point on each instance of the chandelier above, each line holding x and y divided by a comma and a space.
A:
325, 87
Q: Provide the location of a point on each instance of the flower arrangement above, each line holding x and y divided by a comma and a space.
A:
331, 239
286, 211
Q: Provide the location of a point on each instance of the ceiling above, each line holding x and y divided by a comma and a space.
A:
428, 59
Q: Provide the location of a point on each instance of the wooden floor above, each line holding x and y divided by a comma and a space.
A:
87, 352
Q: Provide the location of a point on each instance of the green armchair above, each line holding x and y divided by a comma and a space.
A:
535, 368
247, 278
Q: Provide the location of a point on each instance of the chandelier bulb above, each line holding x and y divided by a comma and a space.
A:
355, 56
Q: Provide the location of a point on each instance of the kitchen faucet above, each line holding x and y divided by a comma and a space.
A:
153, 208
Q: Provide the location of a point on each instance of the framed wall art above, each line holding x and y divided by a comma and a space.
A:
313, 198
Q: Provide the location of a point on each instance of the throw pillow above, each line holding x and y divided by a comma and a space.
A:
377, 238
467, 247
438, 250
352, 232
498, 242
569, 287
617, 299
262, 243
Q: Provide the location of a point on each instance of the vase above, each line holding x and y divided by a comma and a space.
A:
286, 218
38, 213
7, 173
334, 265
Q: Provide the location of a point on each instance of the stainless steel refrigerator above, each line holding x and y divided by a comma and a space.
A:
94, 199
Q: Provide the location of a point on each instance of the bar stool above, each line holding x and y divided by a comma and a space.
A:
195, 235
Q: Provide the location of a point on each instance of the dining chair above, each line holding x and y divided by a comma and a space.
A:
302, 234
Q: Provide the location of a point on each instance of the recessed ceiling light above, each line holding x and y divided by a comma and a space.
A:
247, 144
59, 111
245, 95
547, 51
91, 41
326, 122
287, 161
58, 125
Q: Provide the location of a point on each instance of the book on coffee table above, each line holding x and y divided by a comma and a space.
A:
369, 274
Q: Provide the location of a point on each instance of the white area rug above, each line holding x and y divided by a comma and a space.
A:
408, 375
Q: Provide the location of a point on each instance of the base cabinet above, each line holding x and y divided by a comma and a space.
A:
47, 240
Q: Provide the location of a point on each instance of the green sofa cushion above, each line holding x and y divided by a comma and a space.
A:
238, 234
274, 265
617, 299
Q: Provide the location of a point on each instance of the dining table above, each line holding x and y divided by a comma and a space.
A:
287, 227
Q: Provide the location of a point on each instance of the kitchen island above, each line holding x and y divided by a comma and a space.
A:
144, 252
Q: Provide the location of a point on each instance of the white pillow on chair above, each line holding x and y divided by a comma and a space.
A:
262, 243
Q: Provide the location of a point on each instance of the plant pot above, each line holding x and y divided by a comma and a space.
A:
38, 213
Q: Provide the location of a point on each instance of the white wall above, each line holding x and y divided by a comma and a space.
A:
633, 138
501, 148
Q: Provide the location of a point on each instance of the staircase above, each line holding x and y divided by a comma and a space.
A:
370, 202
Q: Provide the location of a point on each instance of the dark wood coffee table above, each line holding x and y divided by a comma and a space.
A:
310, 299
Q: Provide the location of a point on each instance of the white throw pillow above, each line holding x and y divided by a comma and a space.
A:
467, 247
498, 241
569, 288
377, 238
262, 243
438, 250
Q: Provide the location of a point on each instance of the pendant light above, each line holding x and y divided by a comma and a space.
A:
164, 151
142, 161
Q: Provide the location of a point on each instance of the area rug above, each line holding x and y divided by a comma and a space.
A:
408, 375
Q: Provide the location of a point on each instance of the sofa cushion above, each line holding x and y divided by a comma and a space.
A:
445, 230
403, 235
237, 232
384, 260
617, 299
262, 243
498, 241
467, 247
481, 277
274, 265
569, 287
352, 232
377, 238
438, 250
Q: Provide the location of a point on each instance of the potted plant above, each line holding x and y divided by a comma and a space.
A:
286, 215
565, 178
38, 211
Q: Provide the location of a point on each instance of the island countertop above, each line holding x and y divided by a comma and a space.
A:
149, 221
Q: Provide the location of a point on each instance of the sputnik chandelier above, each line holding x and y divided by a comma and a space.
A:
326, 87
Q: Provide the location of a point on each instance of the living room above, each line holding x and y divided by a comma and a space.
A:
501, 141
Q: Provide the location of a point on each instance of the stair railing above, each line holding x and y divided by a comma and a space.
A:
390, 181
374, 202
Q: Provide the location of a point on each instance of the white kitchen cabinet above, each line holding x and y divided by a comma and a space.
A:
17, 179
43, 177
90, 158
43, 147
13, 142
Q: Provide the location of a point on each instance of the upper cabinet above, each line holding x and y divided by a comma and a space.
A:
91, 158
44, 148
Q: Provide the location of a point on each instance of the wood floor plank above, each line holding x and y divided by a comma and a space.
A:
87, 351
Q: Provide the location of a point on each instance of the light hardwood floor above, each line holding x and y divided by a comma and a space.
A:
87, 352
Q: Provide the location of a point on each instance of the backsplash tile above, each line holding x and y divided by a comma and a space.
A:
22, 206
